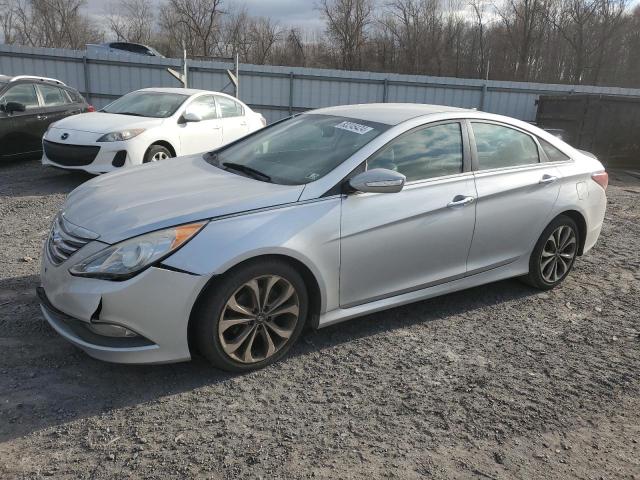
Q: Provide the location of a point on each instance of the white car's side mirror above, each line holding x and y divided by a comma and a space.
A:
191, 117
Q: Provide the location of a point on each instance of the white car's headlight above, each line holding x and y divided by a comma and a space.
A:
121, 135
128, 258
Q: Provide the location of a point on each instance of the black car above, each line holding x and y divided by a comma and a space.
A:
28, 105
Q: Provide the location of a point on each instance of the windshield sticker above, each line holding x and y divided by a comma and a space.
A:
313, 176
354, 127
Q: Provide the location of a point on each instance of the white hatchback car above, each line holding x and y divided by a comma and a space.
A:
146, 126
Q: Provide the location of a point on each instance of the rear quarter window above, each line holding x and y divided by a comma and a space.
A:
553, 153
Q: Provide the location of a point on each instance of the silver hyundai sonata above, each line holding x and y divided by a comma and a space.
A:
316, 219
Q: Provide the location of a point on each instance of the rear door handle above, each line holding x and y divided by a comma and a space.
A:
547, 179
460, 201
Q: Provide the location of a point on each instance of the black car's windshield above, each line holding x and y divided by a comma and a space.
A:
147, 104
299, 150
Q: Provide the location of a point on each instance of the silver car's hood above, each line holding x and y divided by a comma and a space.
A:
140, 199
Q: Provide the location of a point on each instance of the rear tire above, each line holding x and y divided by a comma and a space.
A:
554, 254
251, 316
156, 153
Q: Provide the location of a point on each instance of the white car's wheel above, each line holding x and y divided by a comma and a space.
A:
156, 153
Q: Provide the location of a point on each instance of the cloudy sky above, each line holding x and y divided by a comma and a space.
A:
287, 12
299, 13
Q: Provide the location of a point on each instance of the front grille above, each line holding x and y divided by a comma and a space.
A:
70, 155
61, 243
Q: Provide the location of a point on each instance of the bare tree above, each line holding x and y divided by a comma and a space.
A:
479, 12
524, 21
53, 23
131, 20
194, 23
263, 36
7, 21
346, 24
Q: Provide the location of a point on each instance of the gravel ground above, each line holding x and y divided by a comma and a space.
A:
496, 382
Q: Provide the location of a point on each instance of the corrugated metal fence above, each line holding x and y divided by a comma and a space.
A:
277, 92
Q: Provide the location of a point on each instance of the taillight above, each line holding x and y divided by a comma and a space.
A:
601, 178
91, 108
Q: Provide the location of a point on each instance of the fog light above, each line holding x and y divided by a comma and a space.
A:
119, 158
110, 330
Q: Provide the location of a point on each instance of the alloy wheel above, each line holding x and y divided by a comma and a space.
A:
558, 254
159, 156
258, 319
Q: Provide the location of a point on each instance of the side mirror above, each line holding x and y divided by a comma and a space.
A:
11, 107
191, 117
378, 180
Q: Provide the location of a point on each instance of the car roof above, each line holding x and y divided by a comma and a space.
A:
183, 91
4, 78
389, 113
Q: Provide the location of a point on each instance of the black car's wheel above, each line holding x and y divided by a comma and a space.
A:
554, 254
251, 316
156, 153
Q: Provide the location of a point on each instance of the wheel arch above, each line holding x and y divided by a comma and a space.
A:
163, 143
577, 217
311, 282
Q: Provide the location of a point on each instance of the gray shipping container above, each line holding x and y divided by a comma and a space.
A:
606, 125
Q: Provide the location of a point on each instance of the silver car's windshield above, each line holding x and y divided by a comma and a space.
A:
147, 104
299, 150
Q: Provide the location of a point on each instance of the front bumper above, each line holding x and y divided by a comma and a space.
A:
103, 161
156, 304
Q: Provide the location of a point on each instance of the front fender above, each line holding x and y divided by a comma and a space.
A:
307, 231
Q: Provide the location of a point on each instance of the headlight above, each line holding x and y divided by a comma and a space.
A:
126, 259
121, 135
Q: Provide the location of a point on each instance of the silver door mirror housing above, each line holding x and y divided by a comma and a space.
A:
191, 117
378, 180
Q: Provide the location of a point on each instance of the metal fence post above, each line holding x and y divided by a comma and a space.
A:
483, 96
291, 93
385, 90
87, 81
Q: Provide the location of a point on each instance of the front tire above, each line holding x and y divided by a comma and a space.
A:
251, 316
554, 254
156, 153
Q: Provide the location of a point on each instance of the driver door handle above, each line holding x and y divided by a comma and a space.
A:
460, 201
547, 179
42, 117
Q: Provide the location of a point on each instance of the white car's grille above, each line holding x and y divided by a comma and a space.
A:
62, 243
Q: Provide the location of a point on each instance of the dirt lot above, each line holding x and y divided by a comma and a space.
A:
496, 382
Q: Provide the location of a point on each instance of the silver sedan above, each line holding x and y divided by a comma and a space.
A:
314, 220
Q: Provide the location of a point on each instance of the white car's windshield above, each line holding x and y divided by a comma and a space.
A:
299, 150
147, 104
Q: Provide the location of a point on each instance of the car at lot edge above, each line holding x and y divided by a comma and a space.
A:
322, 217
124, 48
28, 105
147, 126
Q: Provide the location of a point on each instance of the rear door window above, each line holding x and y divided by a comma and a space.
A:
229, 108
53, 96
500, 146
